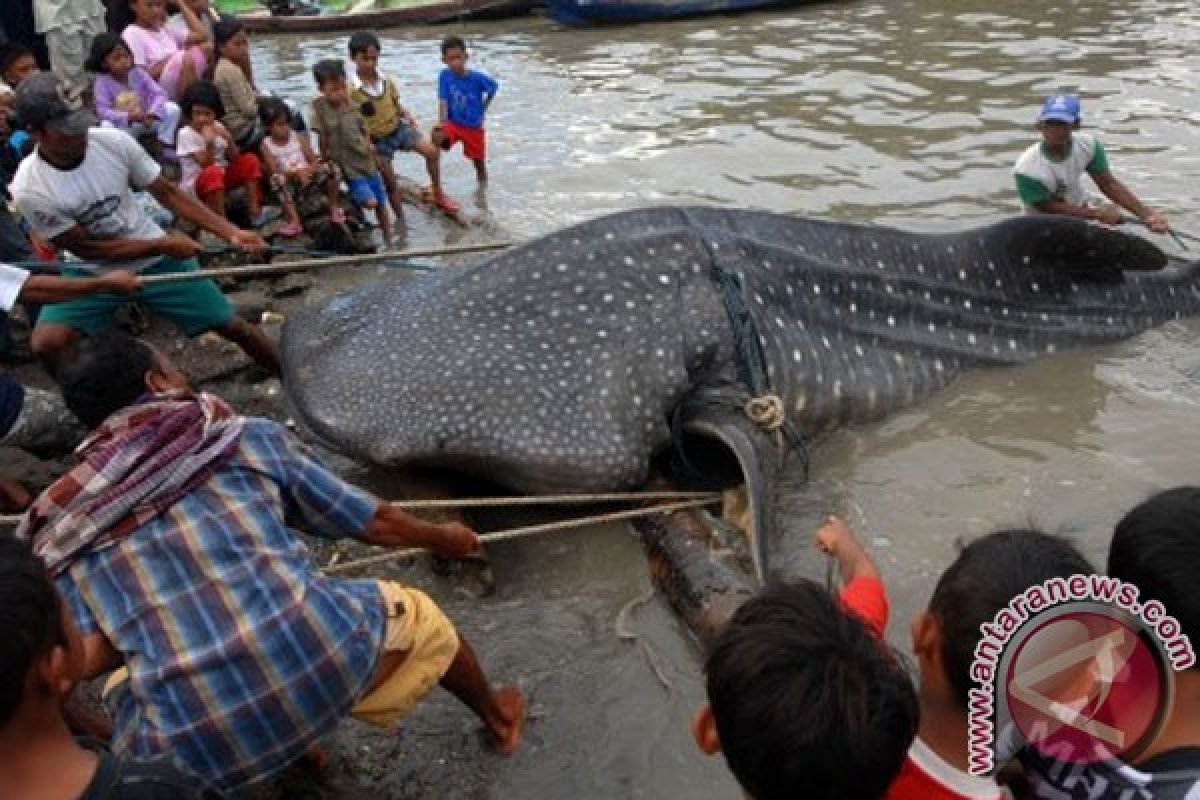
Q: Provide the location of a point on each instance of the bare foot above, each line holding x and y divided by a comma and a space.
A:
506, 730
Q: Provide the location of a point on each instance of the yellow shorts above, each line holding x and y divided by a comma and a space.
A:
416, 626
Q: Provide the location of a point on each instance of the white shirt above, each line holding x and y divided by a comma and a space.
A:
1062, 179
51, 14
97, 195
190, 142
12, 280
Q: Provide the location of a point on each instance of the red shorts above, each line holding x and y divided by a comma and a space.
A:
215, 178
474, 140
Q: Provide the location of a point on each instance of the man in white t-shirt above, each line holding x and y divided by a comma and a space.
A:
1049, 174
35, 419
76, 191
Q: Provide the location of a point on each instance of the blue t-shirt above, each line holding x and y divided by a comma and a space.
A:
12, 397
465, 96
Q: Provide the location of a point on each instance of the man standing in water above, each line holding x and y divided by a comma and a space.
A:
75, 190
1049, 174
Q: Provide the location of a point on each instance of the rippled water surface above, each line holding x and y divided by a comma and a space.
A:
904, 113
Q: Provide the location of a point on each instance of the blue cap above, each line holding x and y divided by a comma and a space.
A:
1061, 107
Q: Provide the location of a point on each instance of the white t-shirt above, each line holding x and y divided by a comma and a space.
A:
12, 279
97, 195
190, 142
1059, 179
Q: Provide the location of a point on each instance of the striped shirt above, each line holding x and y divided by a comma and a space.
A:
240, 653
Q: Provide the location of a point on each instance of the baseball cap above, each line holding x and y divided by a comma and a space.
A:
44, 100
1061, 107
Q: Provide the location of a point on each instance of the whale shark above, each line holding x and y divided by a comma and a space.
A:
577, 360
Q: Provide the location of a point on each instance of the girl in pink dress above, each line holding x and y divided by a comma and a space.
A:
172, 58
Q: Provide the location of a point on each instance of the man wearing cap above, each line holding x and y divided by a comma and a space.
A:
1049, 173
75, 190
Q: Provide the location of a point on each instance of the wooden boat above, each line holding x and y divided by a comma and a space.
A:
372, 14
595, 12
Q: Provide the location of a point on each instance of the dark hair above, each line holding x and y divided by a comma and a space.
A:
202, 93
986, 576
102, 46
327, 70
453, 43
31, 622
361, 41
226, 28
1156, 547
103, 374
808, 702
10, 53
272, 109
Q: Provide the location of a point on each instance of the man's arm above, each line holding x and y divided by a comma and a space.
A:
52, 289
1106, 214
200, 215
391, 527
78, 241
1117, 192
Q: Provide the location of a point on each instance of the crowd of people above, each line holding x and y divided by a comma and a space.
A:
167, 561
805, 699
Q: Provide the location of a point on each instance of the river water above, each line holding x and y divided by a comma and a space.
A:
901, 113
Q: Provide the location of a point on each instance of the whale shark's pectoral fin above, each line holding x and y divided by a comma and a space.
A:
1080, 249
710, 428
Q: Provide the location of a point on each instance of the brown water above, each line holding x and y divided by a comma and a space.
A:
905, 113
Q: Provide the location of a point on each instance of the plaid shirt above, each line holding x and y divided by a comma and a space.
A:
240, 652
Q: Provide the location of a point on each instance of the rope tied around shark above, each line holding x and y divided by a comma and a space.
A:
762, 406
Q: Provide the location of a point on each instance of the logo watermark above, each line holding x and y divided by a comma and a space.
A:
1077, 667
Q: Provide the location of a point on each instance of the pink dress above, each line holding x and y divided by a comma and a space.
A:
168, 44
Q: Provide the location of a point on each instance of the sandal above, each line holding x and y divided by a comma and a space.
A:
443, 202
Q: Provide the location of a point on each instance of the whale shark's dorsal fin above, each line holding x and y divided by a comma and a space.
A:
1078, 248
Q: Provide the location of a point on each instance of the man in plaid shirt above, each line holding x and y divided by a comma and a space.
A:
171, 542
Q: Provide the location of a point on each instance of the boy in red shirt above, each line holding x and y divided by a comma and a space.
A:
985, 577
805, 698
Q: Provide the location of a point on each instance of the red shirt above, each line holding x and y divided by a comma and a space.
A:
867, 599
927, 776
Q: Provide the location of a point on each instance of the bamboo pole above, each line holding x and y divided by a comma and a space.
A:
263, 270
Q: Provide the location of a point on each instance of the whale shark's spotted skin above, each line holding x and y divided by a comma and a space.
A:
556, 364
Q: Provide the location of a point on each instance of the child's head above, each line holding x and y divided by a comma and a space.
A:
201, 104
330, 75
805, 701
986, 576
276, 118
230, 39
149, 13
16, 63
110, 55
364, 52
42, 655
1156, 547
454, 54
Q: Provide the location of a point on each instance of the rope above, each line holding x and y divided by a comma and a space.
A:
293, 266
258, 270
533, 530
12, 520
766, 411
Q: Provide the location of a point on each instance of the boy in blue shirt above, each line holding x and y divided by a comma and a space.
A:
463, 99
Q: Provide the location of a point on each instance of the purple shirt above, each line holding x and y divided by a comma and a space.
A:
114, 100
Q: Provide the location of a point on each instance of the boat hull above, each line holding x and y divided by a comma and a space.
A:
428, 14
600, 12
